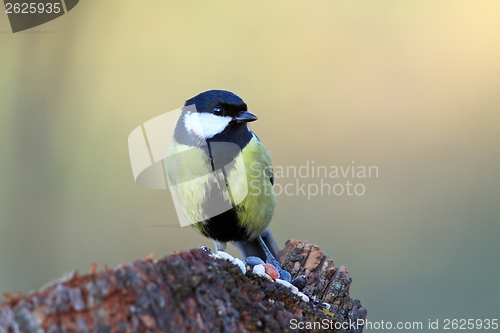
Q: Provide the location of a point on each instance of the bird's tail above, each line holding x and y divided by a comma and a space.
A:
253, 247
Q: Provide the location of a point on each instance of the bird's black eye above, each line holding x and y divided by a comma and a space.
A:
218, 110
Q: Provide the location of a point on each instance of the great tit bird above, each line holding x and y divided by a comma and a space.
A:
221, 173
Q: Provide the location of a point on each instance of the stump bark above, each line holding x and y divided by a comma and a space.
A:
189, 292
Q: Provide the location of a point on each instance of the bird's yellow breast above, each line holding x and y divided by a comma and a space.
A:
247, 186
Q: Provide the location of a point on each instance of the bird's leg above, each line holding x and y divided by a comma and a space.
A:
270, 259
254, 249
300, 281
219, 246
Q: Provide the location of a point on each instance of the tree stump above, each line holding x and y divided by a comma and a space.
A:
189, 292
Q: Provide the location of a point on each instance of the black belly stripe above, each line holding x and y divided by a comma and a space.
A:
225, 227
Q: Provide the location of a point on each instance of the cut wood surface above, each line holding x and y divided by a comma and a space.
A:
189, 292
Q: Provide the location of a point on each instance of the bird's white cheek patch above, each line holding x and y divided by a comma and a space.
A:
205, 125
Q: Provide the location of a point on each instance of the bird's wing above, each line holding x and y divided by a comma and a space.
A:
270, 167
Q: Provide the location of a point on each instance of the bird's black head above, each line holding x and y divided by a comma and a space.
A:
220, 115
206, 101
222, 103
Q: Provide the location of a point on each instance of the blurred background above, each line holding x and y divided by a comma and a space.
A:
410, 87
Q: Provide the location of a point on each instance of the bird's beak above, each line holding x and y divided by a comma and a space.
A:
245, 117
